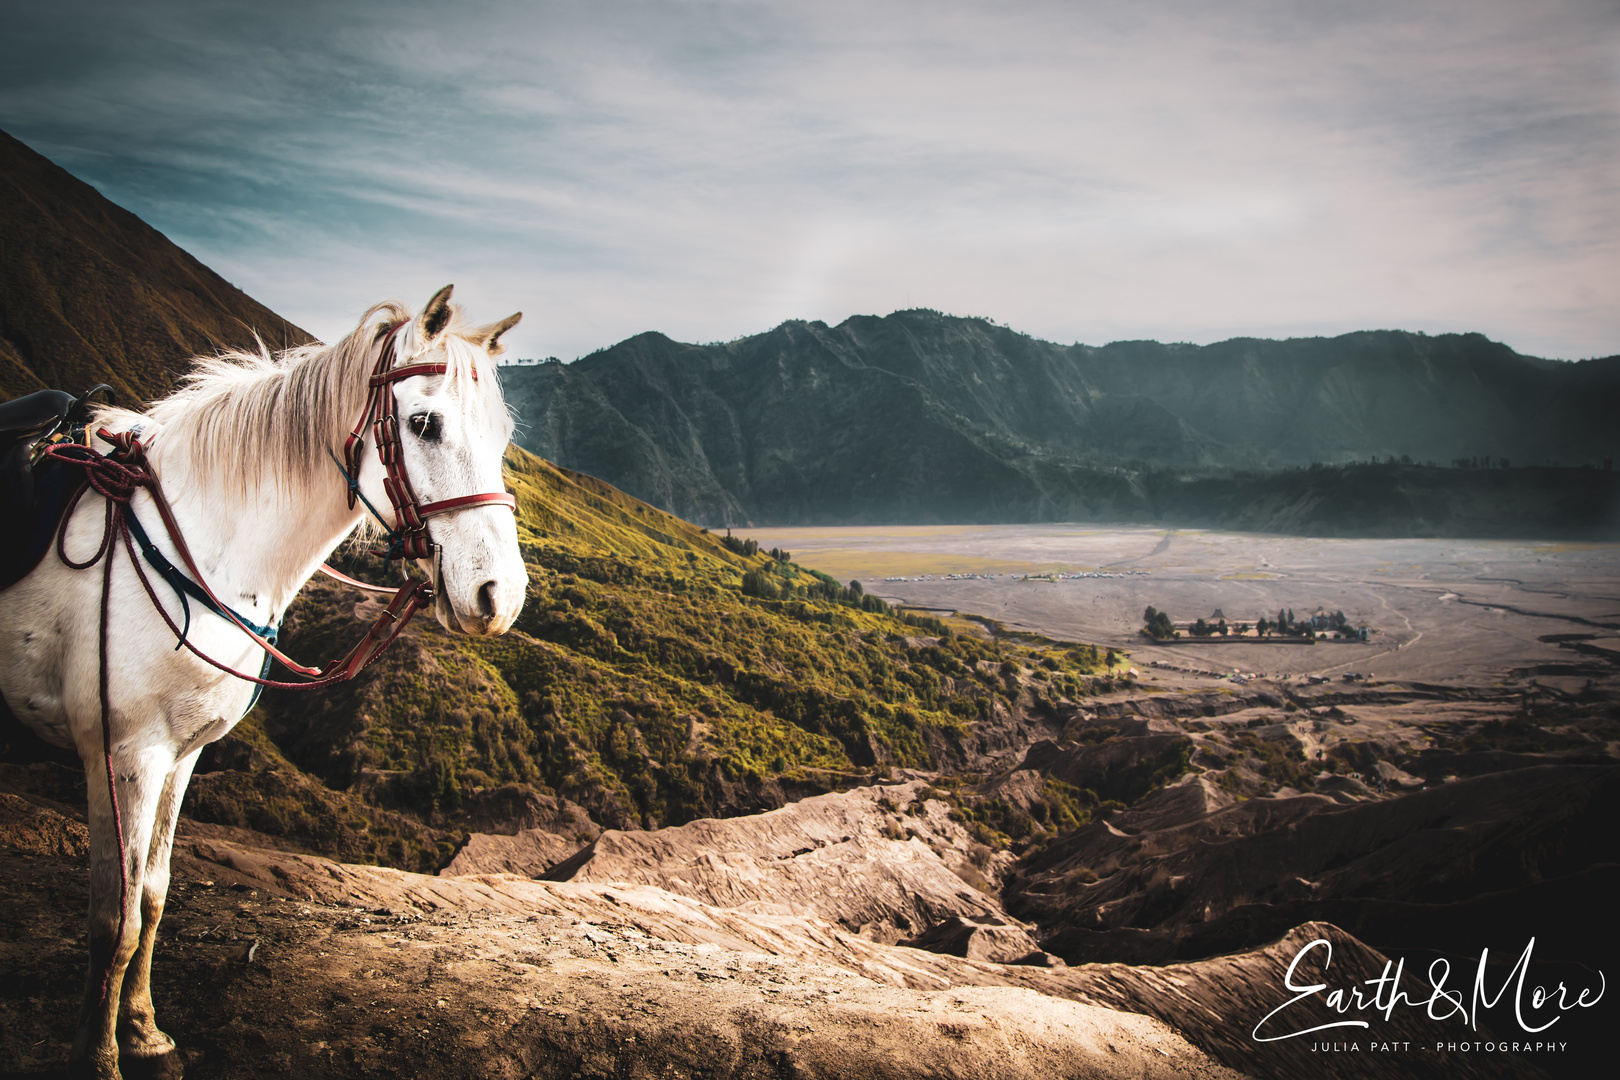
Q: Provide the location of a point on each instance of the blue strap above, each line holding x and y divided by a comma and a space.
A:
396, 537
258, 688
184, 586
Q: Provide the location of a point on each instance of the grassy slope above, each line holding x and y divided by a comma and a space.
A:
640, 681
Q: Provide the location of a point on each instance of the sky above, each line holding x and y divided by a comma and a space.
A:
1082, 172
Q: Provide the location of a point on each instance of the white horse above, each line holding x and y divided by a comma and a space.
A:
244, 454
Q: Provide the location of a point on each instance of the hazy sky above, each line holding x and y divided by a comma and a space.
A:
1081, 171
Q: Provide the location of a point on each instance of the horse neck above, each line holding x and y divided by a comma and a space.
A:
265, 545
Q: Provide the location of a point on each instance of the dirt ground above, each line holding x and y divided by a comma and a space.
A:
272, 964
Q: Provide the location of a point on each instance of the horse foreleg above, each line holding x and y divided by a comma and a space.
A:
141, 776
138, 1034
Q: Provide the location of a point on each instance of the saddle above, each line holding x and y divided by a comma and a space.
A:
34, 495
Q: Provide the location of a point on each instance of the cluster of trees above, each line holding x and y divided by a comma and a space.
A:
749, 548
1287, 626
738, 546
1157, 625
1284, 624
768, 586
928, 623
759, 583
1373, 462
1482, 462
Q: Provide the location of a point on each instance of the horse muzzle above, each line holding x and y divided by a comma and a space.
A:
481, 595
483, 610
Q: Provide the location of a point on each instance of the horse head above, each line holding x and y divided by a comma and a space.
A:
453, 431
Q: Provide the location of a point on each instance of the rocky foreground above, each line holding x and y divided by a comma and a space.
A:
719, 949
1192, 841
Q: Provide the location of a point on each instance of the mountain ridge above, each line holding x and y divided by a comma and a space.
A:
811, 424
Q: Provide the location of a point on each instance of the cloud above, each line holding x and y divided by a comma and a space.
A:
1082, 171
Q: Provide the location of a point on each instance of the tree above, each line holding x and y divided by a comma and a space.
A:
738, 546
1157, 624
758, 583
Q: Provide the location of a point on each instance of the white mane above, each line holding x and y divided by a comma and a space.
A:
253, 418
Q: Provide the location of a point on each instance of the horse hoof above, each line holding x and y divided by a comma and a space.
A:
156, 1067
90, 1068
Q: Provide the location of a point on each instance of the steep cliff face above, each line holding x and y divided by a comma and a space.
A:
91, 293
925, 417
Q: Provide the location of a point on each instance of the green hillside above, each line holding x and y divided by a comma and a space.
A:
642, 681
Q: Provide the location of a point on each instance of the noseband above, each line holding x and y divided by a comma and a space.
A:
408, 536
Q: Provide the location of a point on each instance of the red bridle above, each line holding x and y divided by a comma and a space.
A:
408, 538
116, 476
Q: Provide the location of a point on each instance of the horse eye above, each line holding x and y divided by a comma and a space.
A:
427, 426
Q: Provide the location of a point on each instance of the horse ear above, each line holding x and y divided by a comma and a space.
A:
436, 316
490, 336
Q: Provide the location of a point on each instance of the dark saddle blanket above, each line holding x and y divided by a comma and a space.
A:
34, 496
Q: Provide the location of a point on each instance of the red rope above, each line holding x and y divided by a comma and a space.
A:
116, 481
106, 746
335, 673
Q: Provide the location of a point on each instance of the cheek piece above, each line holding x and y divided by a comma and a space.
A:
407, 535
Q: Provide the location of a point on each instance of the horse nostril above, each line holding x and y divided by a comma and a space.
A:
486, 600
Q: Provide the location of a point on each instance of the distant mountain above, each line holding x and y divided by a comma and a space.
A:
920, 416
91, 293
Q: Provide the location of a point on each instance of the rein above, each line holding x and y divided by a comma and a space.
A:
118, 475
